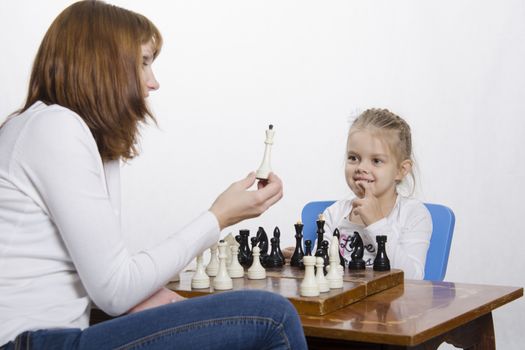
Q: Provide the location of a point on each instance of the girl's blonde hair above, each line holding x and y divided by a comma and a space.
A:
90, 61
390, 127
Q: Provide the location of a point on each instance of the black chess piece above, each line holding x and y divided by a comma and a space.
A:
326, 258
298, 254
262, 238
320, 235
381, 262
254, 242
274, 260
308, 247
357, 246
277, 236
244, 249
341, 259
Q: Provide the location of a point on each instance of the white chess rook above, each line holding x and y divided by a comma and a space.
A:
322, 282
265, 169
235, 270
222, 281
256, 271
309, 287
213, 265
200, 279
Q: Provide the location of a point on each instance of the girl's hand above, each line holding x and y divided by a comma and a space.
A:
161, 297
367, 207
237, 203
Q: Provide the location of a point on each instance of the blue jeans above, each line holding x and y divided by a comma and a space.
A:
233, 320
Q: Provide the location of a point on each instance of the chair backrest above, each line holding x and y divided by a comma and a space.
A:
443, 221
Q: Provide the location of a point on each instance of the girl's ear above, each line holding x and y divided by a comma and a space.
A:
404, 169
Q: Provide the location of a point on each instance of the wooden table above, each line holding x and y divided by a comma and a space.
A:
416, 315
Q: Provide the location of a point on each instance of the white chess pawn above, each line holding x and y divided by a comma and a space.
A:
309, 287
222, 281
265, 169
235, 270
256, 271
334, 276
322, 282
213, 265
200, 278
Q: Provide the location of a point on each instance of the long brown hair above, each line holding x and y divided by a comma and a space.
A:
89, 61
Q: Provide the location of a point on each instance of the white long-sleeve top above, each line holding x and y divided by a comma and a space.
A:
408, 228
61, 245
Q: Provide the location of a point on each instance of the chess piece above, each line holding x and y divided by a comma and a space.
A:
381, 262
244, 249
256, 271
265, 169
324, 255
309, 287
213, 265
335, 279
250, 254
235, 270
262, 239
277, 236
322, 282
230, 240
356, 244
222, 281
320, 234
308, 248
274, 260
200, 279
341, 259
297, 257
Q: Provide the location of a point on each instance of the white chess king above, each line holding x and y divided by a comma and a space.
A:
265, 169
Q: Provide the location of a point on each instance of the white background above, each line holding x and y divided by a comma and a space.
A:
453, 69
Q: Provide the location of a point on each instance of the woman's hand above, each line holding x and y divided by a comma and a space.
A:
237, 203
161, 297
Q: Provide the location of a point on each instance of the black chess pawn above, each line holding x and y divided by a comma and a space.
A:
277, 236
262, 238
298, 254
357, 246
254, 242
274, 260
341, 259
320, 234
326, 258
308, 247
381, 262
244, 248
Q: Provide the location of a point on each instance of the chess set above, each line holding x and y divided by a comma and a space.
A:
316, 284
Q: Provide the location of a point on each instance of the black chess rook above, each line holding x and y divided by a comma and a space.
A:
381, 262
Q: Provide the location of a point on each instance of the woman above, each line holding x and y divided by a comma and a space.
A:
61, 247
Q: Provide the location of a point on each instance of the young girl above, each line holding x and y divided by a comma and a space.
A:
61, 245
379, 158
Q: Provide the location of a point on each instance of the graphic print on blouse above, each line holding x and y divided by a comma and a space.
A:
346, 229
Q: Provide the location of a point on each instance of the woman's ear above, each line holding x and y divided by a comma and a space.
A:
404, 169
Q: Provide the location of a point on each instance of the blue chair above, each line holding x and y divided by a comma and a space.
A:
443, 221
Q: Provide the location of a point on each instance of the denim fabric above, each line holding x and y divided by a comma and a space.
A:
232, 320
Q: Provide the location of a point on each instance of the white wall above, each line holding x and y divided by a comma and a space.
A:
453, 69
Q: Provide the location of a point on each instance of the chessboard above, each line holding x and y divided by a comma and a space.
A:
286, 282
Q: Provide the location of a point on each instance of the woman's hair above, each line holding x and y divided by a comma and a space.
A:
90, 62
393, 129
